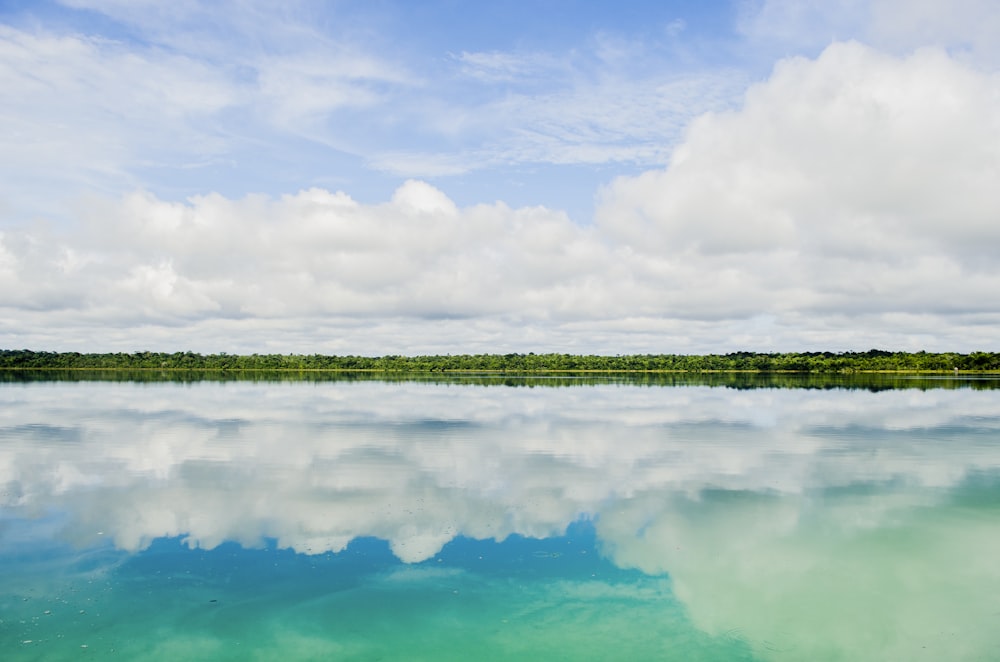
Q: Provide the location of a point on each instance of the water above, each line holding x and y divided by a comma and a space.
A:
371, 520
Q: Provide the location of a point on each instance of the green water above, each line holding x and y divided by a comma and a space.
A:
555, 598
451, 521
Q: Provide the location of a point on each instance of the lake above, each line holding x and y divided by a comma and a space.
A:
715, 518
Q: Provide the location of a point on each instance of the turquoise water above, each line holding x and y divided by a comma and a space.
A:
424, 521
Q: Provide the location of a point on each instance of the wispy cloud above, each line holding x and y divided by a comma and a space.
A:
499, 66
83, 112
583, 121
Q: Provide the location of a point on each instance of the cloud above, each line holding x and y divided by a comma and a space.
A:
302, 90
313, 254
856, 182
199, 88
84, 112
92, 113
310, 72
848, 203
565, 111
853, 152
500, 66
320, 271
240, 86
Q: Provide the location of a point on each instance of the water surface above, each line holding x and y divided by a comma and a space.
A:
499, 519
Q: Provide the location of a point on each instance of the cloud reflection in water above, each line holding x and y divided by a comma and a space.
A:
799, 516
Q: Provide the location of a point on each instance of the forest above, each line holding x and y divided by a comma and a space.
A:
874, 360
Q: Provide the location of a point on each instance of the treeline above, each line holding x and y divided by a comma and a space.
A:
800, 362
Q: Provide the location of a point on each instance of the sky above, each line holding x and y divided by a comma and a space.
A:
387, 177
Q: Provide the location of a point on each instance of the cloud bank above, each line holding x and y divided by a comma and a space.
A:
849, 203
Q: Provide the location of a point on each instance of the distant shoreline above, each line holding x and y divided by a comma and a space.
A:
870, 362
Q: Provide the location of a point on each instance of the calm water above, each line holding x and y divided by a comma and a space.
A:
452, 521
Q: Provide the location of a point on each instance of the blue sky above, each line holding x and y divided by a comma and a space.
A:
377, 91
389, 177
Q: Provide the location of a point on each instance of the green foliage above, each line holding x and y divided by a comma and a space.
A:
790, 362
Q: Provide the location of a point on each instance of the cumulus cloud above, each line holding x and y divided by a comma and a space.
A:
854, 153
855, 182
322, 253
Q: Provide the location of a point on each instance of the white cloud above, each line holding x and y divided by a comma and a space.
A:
714, 253
314, 254
849, 203
854, 152
857, 182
